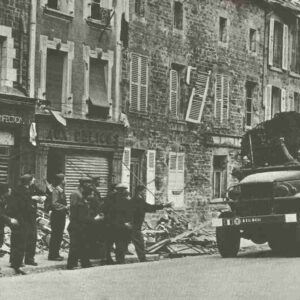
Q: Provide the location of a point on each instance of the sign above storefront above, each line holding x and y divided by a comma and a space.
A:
11, 119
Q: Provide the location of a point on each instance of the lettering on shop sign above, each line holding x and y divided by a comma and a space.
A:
10, 119
84, 136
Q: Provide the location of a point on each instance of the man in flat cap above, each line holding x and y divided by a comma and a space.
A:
59, 211
23, 207
80, 220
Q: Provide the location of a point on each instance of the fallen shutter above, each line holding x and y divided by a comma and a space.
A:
126, 167
271, 41
150, 195
78, 166
173, 92
268, 102
285, 50
198, 98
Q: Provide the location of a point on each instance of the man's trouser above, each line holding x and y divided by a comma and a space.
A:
58, 222
78, 248
1, 234
121, 237
23, 243
138, 242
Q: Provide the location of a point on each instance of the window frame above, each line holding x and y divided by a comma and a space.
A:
223, 184
68, 12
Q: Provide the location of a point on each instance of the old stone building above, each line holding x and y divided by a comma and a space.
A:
192, 83
76, 86
16, 106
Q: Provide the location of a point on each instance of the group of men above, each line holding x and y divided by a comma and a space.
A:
115, 221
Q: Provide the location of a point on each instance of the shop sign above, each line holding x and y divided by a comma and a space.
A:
11, 119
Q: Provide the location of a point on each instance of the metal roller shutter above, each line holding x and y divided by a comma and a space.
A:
4, 160
78, 166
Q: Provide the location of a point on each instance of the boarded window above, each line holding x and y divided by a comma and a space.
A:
222, 99
278, 44
138, 83
219, 176
55, 77
176, 178
178, 15
249, 103
252, 39
223, 30
139, 8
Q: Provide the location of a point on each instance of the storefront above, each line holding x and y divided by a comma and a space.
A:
16, 152
81, 148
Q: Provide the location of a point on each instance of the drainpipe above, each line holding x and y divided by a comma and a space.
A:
118, 68
32, 46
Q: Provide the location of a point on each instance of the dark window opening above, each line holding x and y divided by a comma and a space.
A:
55, 78
98, 104
223, 30
278, 44
219, 176
295, 63
276, 100
52, 4
100, 13
249, 103
297, 102
139, 8
178, 15
252, 40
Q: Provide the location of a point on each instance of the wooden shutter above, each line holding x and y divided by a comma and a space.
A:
283, 100
143, 83
225, 96
198, 98
150, 195
271, 41
268, 102
126, 167
134, 82
285, 49
219, 98
173, 92
291, 101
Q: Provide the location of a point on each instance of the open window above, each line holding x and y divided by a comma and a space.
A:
178, 15
98, 11
219, 176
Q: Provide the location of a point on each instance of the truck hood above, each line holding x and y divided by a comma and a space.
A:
271, 177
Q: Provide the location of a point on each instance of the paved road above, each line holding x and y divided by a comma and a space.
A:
255, 275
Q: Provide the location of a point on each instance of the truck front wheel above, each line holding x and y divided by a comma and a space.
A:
228, 239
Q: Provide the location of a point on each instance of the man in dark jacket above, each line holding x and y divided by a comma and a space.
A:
139, 208
23, 207
59, 211
118, 214
80, 220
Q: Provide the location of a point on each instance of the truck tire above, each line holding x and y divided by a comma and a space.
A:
228, 239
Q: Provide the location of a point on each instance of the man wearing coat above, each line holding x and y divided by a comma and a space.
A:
139, 209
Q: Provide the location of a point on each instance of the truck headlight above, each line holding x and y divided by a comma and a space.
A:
234, 192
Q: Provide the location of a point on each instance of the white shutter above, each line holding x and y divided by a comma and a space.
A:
198, 98
143, 84
271, 41
268, 102
283, 100
176, 179
134, 82
173, 98
219, 98
225, 89
126, 167
285, 50
150, 195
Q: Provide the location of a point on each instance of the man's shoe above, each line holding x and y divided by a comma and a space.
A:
20, 271
31, 263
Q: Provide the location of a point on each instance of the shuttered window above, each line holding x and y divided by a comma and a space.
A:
176, 178
249, 103
276, 101
150, 195
278, 44
222, 99
296, 106
126, 160
138, 83
174, 91
78, 166
198, 98
295, 52
4, 162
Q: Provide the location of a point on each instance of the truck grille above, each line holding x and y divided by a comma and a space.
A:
256, 191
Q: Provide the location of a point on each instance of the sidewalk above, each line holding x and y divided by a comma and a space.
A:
45, 265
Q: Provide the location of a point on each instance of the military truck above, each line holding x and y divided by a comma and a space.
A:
264, 206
